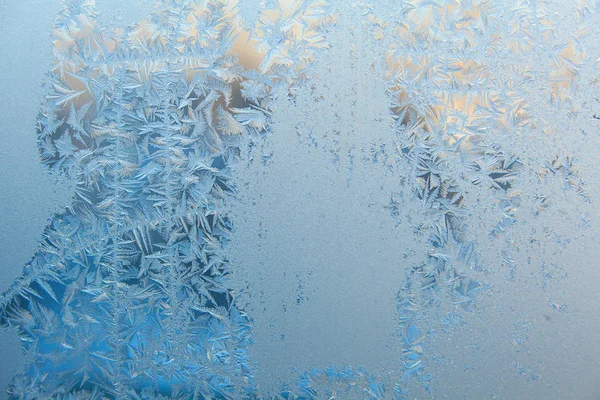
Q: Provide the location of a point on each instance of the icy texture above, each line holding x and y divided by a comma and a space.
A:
314, 199
125, 296
28, 194
116, 12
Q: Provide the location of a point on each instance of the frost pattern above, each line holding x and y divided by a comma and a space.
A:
128, 295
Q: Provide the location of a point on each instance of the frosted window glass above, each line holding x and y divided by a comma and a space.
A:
299, 199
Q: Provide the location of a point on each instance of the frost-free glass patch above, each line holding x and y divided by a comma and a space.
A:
313, 199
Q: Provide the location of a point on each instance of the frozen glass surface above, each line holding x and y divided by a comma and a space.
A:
299, 199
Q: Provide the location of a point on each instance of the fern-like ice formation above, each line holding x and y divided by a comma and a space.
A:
128, 295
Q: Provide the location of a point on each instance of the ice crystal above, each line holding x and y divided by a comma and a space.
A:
185, 126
